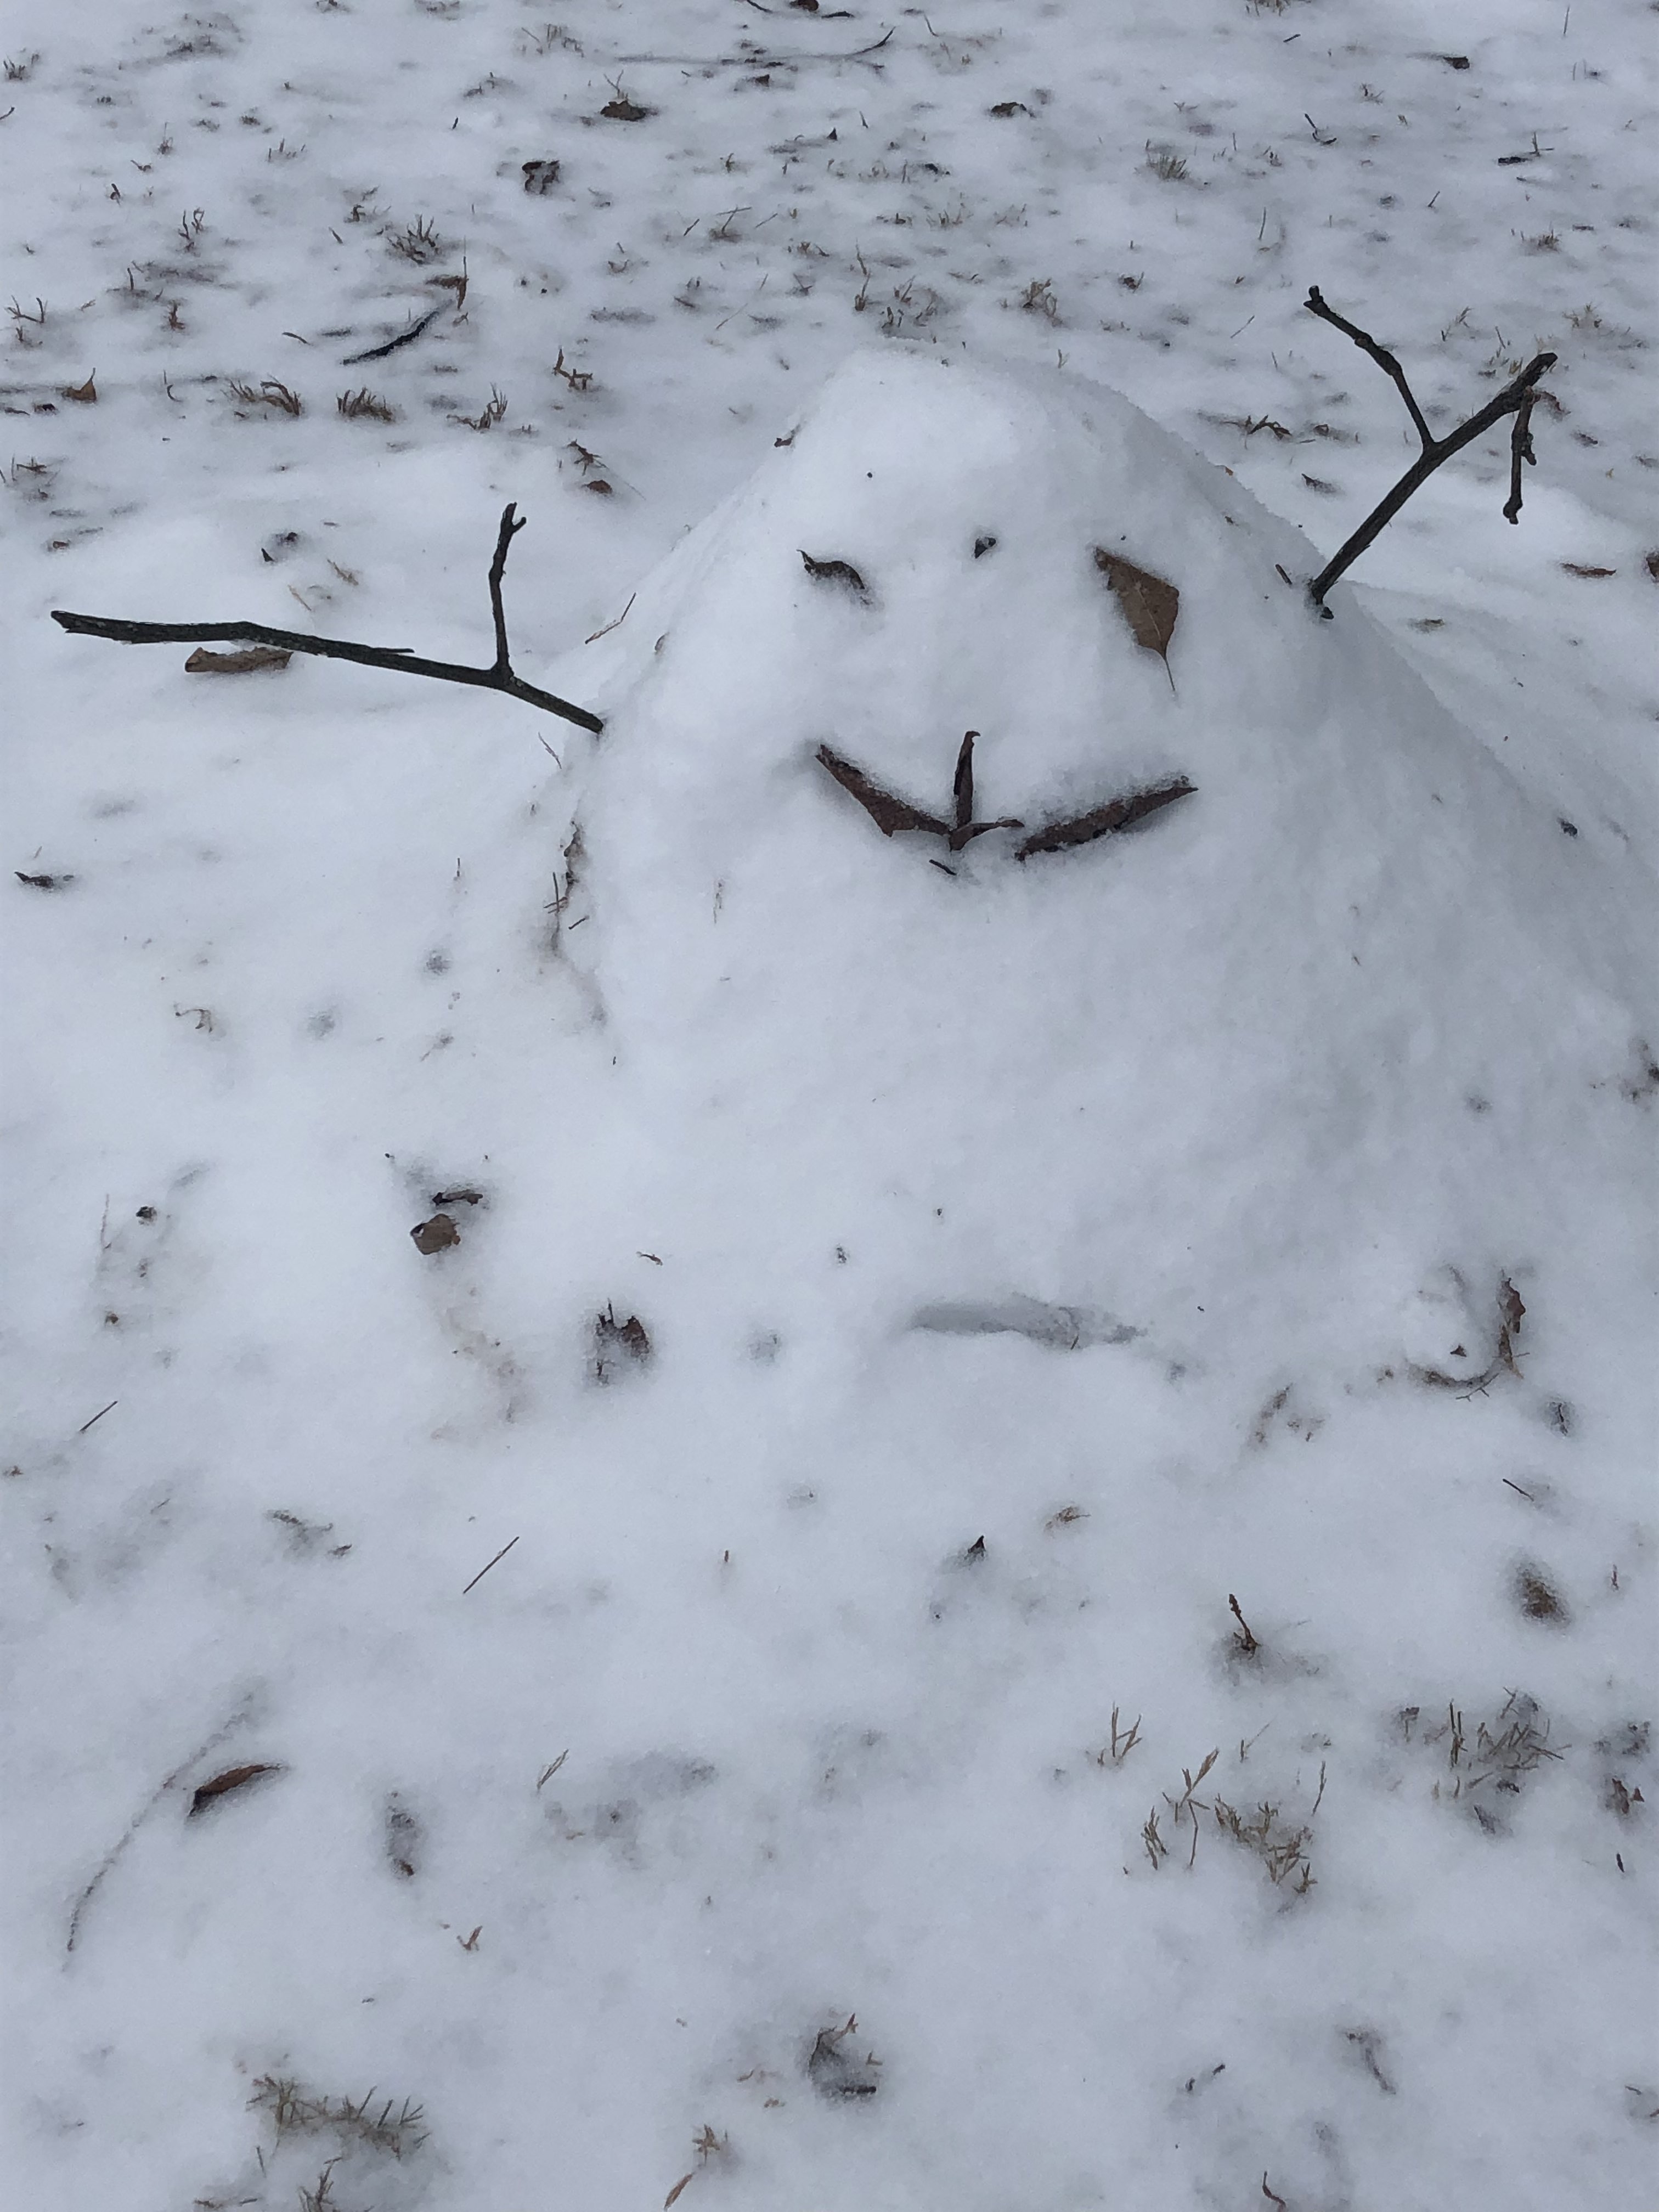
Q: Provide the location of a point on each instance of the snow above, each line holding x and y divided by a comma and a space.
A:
938, 1343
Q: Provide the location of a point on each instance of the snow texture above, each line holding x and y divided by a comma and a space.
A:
996, 1546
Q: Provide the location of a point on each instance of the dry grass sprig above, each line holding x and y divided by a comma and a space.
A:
354, 406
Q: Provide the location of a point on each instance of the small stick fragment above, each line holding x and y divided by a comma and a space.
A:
488, 1563
403, 338
1247, 1641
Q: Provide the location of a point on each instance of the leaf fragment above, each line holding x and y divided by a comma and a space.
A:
836, 572
220, 1785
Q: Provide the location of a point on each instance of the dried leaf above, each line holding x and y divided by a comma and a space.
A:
1535, 1596
674, 2194
540, 176
889, 814
436, 1235
1006, 107
611, 1338
623, 110
1106, 821
234, 1778
834, 2074
836, 572
246, 663
42, 883
1150, 603
1572, 567
87, 393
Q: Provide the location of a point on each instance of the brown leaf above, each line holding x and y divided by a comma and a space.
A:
888, 813
836, 572
1105, 821
1536, 1597
623, 110
540, 176
234, 1778
203, 662
436, 1235
1572, 567
612, 1337
1006, 107
1510, 1311
1150, 603
87, 393
674, 2194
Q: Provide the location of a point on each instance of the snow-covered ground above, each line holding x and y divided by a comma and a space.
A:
997, 1549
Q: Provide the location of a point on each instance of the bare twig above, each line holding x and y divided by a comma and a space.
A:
498, 677
1518, 398
1520, 450
402, 338
78, 1915
1384, 360
488, 1563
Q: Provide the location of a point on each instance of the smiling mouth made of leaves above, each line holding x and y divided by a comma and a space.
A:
892, 814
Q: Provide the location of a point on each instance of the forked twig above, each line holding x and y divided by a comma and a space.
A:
498, 677
1518, 398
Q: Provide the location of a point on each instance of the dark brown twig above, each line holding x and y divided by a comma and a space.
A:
488, 1563
402, 338
1518, 398
498, 677
1384, 360
1520, 450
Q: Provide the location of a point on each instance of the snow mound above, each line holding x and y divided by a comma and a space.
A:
1338, 1020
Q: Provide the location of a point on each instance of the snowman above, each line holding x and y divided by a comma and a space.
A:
999, 877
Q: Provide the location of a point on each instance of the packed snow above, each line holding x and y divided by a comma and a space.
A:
716, 1494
